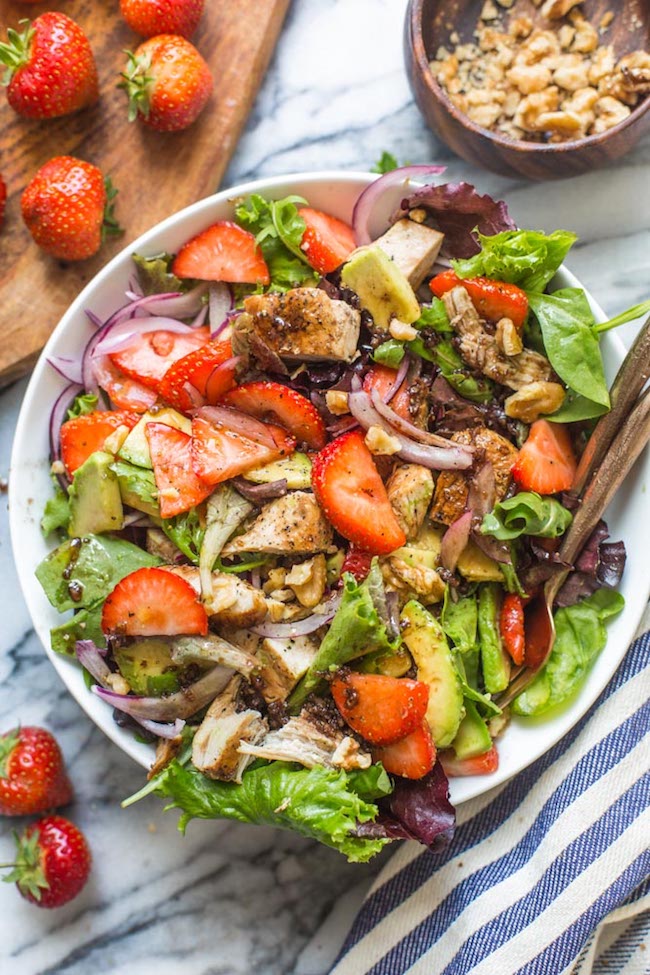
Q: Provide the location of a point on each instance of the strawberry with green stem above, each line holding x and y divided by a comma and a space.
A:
152, 17
68, 208
51, 69
52, 862
33, 777
167, 82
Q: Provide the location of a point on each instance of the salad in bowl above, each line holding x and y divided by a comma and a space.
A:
306, 473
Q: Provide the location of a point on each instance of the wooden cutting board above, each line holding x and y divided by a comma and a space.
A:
156, 174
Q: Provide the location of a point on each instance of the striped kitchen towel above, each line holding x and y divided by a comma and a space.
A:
536, 866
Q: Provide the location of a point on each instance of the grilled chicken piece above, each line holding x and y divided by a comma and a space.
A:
479, 349
283, 663
450, 496
293, 524
305, 324
413, 247
413, 581
410, 489
299, 740
215, 748
233, 602
212, 649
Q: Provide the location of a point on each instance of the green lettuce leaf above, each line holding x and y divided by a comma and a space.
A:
186, 532
322, 804
452, 367
155, 276
386, 163
526, 258
526, 513
580, 635
81, 572
434, 316
355, 631
83, 403
56, 513
389, 353
571, 342
278, 229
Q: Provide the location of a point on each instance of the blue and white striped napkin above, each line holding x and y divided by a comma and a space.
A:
537, 867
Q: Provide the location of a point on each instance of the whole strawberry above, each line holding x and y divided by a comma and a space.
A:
52, 862
168, 83
32, 773
50, 67
151, 17
68, 208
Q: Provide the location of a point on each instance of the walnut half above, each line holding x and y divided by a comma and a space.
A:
534, 400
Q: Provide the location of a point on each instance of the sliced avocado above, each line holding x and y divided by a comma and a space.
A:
427, 644
395, 664
135, 448
476, 566
296, 470
148, 667
95, 500
473, 737
137, 487
495, 662
382, 288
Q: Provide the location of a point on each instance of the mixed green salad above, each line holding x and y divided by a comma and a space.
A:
305, 484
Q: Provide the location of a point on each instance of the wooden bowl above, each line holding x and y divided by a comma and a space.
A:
428, 26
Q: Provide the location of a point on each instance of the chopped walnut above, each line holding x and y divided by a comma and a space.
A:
401, 331
308, 580
571, 72
534, 400
379, 442
555, 9
508, 338
586, 38
337, 402
609, 112
529, 77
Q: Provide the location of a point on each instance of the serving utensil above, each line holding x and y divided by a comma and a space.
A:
614, 446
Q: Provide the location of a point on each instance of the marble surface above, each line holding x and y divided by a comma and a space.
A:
229, 900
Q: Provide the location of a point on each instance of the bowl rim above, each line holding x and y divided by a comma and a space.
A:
414, 18
67, 668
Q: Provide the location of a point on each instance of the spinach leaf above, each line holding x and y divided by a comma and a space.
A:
526, 258
526, 513
88, 569
453, 368
321, 803
278, 229
155, 276
580, 635
576, 408
84, 625
626, 316
356, 630
434, 316
385, 164
570, 341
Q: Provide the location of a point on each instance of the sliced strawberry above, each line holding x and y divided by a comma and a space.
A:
511, 626
483, 764
411, 757
151, 355
357, 562
327, 242
546, 462
124, 393
195, 369
492, 299
279, 404
350, 491
379, 708
179, 489
83, 435
382, 379
220, 452
223, 252
153, 602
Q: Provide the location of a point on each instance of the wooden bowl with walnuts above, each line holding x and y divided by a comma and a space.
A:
536, 88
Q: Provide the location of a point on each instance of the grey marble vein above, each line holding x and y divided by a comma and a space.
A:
230, 899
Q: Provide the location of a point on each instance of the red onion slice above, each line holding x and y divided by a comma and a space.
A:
454, 541
399, 378
409, 429
453, 457
182, 704
285, 631
57, 417
67, 366
177, 304
123, 334
220, 304
482, 491
365, 205
241, 423
260, 492
92, 659
163, 729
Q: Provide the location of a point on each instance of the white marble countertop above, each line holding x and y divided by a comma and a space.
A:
230, 900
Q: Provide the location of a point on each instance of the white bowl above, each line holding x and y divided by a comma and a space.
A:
30, 486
